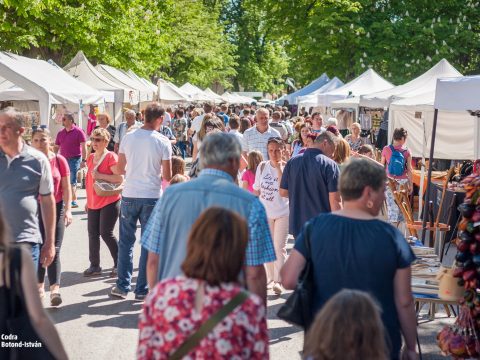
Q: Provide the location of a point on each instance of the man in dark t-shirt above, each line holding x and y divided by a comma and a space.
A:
310, 182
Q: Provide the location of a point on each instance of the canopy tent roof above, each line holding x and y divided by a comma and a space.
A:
195, 93
169, 93
213, 95
348, 103
245, 99
457, 94
454, 127
44, 83
425, 83
314, 85
144, 81
368, 82
81, 69
311, 99
143, 92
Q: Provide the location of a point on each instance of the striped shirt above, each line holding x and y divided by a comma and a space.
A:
255, 140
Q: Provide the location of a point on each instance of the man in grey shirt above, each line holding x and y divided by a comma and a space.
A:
25, 180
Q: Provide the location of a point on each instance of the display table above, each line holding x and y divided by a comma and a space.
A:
436, 196
437, 176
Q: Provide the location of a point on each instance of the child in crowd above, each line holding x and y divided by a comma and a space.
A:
248, 177
178, 166
178, 178
355, 316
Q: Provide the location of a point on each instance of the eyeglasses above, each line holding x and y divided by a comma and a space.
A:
97, 139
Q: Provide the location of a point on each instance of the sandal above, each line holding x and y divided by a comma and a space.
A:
55, 299
41, 293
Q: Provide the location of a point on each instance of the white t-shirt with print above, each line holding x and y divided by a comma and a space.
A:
144, 150
268, 183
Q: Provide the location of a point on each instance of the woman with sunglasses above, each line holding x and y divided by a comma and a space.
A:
102, 211
266, 186
63, 197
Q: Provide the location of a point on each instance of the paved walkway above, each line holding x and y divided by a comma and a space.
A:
93, 325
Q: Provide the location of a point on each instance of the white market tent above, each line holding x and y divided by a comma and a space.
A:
168, 93
144, 81
214, 96
311, 99
368, 82
454, 95
314, 85
142, 92
420, 85
43, 82
81, 69
195, 93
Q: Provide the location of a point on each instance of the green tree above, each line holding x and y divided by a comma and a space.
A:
262, 61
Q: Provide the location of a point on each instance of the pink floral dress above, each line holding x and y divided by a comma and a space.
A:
169, 318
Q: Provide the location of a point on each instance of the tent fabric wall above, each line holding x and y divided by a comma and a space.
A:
454, 138
46, 83
311, 98
314, 85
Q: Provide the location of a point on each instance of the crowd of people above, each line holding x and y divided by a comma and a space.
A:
213, 241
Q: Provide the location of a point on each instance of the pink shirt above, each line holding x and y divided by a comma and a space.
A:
249, 177
94, 201
60, 170
69, 142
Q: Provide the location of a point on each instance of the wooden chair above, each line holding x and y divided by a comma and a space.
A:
403, 202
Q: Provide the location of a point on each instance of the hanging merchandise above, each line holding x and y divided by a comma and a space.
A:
461, 340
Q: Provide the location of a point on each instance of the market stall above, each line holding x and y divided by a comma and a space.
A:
310, 88
44, 85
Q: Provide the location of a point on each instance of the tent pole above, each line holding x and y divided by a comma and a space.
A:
429, 177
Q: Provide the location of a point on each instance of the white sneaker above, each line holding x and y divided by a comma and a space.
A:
277, 288
269, 285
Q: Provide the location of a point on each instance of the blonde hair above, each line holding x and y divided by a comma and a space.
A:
178, 178
178, 166
253, 160
342, 151
356, 125
101, 132
348, 327
106, 116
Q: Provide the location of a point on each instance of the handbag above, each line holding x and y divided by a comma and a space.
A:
448, 288
194, 339
18, 321
103, 187
297, 308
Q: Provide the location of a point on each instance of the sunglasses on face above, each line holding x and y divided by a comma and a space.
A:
97, 140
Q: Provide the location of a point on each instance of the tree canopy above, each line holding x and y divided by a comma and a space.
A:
248, 44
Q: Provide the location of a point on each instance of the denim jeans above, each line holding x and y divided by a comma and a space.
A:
182, 145
35, 250
132, 210
74, 165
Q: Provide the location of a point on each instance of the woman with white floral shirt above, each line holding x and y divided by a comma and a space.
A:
176, 308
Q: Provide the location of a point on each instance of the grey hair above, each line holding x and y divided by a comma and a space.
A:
326, 135
130, 112
358, 174
332, 121
14, 115
218, 148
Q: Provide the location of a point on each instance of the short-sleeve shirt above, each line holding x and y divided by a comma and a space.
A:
355, 145
357, 254
123, 129
167, 132
179, 127
22, 179
144, 150
309, 178
60, 170
255, 140
169, 314
267, 183
175, 213
249, 177
387, 154
94, 201
69, 142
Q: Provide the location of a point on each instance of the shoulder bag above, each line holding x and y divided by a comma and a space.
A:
194, 339
18, 321
103, 187
297, 308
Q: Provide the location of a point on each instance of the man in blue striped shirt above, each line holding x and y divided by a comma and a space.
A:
166, 234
